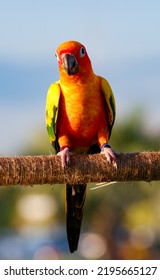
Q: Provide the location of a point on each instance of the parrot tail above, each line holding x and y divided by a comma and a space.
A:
75, 197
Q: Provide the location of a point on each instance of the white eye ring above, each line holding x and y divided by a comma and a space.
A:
82, 52
56, 55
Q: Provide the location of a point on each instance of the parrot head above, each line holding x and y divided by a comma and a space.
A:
73, 59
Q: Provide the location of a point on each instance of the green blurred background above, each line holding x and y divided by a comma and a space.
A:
121, 221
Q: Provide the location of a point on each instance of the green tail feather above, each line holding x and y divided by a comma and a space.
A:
75, 197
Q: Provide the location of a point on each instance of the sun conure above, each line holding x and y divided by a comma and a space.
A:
80, 113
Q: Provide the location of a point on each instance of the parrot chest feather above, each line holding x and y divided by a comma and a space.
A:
81, 111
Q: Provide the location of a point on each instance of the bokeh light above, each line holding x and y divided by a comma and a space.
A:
46, 253
93, 246
35, 208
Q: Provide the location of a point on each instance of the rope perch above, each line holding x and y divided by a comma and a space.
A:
31, 170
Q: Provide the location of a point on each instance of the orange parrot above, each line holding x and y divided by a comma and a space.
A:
80, 113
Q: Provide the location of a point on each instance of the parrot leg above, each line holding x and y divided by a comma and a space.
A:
65, 156
110, 155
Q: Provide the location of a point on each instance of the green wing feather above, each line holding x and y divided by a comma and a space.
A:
52, 105
110, 105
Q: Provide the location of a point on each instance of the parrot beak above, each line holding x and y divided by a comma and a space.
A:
70, 64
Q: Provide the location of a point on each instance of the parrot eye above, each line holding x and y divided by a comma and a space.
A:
82, 52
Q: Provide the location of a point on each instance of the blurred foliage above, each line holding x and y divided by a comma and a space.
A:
125, 214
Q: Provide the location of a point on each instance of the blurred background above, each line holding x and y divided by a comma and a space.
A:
121, 221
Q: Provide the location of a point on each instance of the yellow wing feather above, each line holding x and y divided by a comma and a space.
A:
52, 104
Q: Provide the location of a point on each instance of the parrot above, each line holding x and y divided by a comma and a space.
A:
80, 113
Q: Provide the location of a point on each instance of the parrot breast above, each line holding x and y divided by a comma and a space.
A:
81, 112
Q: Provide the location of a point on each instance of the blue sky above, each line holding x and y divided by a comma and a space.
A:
123, 42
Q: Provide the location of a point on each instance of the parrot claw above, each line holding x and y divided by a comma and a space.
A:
110, 155
65, 157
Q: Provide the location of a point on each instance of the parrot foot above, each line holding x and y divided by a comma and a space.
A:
110, 155
65, 156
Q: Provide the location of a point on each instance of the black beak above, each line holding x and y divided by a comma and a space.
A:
70, 64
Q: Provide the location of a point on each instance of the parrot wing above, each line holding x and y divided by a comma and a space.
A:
109, 103
52, 106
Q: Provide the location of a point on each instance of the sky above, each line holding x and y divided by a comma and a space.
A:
122, 39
